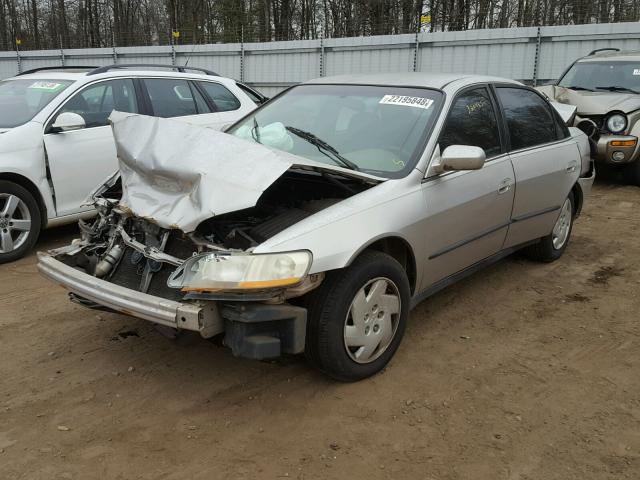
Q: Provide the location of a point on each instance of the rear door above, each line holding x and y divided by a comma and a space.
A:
545, 162
80, 159
468, 211
203, 103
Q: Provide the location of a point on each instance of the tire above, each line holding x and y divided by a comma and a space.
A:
549, 249
330, 316
20, 221
632, 173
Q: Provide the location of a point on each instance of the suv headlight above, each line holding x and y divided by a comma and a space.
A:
616, 123
240, 271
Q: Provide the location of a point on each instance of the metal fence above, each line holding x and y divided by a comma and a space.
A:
534, 54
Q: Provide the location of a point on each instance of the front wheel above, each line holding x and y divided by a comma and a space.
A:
19, 221
551, 247
357, 317
633, 172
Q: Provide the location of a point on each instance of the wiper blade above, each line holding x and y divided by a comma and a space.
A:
617, 88
323, 147
255, 131
576, 87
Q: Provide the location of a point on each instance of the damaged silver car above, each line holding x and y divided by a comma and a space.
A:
316, 223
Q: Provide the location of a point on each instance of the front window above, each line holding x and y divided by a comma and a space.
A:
376, 129
21, 100
96, 102
603, 76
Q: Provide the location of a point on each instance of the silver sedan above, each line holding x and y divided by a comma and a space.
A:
315, 223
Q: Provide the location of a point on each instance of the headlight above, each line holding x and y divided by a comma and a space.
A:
616, 123
230, 271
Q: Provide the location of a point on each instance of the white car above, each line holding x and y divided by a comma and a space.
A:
56, 145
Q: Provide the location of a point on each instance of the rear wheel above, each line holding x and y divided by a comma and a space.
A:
357, 317
19, 221
552, 246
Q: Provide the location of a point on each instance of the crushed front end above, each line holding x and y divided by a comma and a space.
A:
177, 227
128, 264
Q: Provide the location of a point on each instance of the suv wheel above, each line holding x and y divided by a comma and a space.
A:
19, 221
552, 246
357, 317
633, 172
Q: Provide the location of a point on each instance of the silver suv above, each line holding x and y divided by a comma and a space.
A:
605, 88
316, 222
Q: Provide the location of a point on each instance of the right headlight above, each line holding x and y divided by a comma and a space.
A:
616, 123
241, 271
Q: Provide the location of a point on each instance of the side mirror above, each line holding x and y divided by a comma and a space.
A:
460, 157
68, 121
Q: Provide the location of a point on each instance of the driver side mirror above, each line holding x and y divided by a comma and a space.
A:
460, 157
68, 121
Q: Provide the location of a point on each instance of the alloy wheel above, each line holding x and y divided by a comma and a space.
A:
15, 222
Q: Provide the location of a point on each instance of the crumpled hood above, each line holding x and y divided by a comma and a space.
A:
178, 175
597, 103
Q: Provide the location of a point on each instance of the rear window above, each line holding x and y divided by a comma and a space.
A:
529, 118
174, 97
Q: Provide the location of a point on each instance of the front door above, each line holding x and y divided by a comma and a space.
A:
468, 211
80, 160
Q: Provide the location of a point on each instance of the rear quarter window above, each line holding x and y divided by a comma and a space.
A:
224, 100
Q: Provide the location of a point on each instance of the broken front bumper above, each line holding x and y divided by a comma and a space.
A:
252, 330
204, 318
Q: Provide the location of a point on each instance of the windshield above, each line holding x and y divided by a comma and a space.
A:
378, 130
603, 76
21, 100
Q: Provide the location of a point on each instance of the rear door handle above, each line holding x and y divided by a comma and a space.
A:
505, 186
571, 167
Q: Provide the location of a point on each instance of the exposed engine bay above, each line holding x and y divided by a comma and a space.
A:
136, 253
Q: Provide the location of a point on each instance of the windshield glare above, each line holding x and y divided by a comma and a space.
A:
599, 75
21, 100
378, 130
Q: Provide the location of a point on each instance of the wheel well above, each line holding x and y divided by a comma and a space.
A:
24, 182
400, 250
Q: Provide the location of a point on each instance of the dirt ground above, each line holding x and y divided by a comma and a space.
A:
523, 371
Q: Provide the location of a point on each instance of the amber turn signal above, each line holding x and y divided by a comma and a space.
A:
624, 143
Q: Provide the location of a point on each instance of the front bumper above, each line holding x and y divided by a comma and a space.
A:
252, 330
605, 149
203, 318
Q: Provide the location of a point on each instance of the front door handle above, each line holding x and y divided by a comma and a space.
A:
571, 167
505, 186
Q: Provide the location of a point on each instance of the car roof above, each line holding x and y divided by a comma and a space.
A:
620, 56
82, 75
409, 79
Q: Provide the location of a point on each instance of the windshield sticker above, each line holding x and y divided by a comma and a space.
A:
47, 86
418, 102
636, 71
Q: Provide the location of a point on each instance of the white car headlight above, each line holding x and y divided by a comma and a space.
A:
616, 123
240, 271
